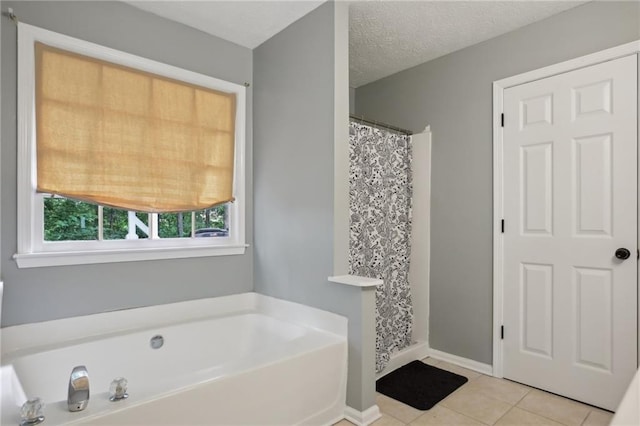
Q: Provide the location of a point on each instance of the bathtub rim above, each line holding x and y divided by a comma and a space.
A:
31, 337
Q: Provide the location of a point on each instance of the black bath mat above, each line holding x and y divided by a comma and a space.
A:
419, 385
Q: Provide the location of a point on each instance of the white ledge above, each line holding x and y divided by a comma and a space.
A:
356, 281
36, 260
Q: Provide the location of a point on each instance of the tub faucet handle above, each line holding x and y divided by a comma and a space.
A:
78, 398
118, 389
32, 412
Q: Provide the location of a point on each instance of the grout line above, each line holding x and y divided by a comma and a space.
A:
505, 413
530, 389
590, 408
549, 418
395, 418
512, 405
468, 416
595, 410
585, 419
523, 396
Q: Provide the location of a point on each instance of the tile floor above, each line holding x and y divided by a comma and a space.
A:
485, 400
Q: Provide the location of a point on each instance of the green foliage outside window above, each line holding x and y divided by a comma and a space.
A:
71, 220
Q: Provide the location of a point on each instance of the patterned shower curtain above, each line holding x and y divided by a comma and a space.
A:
380, 225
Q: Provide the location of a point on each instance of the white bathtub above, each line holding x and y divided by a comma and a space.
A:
239, 360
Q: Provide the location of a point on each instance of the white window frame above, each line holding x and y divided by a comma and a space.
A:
33, 251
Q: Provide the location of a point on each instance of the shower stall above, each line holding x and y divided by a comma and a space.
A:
389, 224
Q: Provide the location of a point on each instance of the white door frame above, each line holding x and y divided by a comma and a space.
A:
499, 86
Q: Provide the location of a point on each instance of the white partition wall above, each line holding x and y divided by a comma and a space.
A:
419, 267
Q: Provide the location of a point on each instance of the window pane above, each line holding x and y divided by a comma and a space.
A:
213, 222
174, 225
115, 223
69, 220
141, 231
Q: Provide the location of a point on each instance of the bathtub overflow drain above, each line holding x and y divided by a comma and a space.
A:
157, 342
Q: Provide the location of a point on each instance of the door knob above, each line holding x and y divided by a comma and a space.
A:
623, 253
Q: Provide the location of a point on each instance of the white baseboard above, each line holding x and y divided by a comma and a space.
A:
362, 418
417, 351
462, 362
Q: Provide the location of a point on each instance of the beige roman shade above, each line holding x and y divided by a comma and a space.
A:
125, 138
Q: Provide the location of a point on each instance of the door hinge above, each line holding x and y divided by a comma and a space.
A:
502, 225
637, 254
502, 332
502, 119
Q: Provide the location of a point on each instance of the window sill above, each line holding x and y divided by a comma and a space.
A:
37, 260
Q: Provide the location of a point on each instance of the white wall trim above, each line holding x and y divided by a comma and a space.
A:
498, 240
417, 351
467, 363
362, 418
499, 86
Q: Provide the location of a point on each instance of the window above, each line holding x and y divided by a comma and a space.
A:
61, 230
68, 220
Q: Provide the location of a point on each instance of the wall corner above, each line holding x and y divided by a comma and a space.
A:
341, 140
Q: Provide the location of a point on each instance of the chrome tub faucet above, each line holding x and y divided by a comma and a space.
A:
78, 397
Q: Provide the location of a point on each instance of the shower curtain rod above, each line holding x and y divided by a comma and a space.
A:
378, 124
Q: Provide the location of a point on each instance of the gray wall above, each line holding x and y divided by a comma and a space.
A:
293, 174
352, 100
39, 294
453, 94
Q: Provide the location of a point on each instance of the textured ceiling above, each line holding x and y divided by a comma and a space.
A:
385, 36
390, 36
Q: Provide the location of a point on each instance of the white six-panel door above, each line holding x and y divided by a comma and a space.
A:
570, 201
